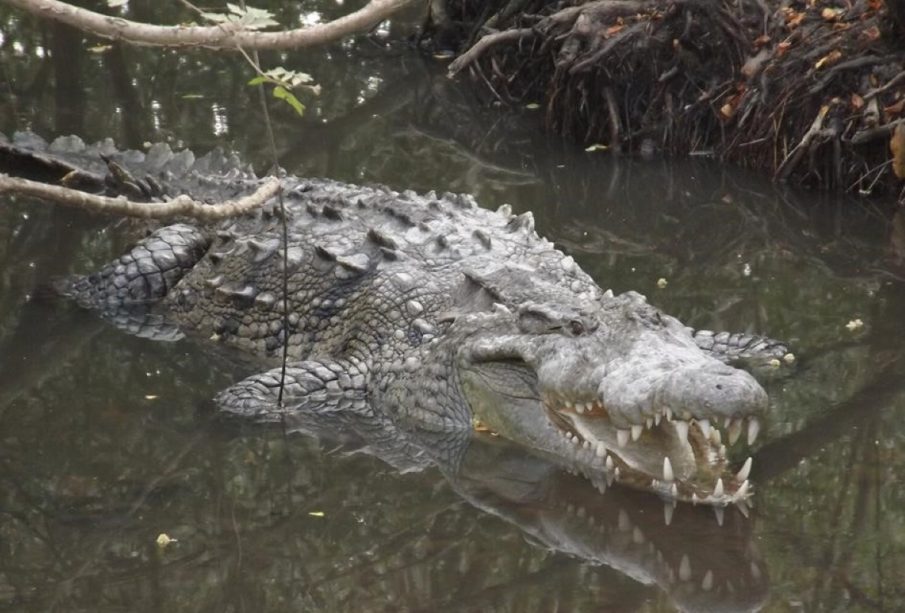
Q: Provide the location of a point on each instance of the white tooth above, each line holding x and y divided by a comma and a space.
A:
716, 437
707, 583
636, 431
637, 536
625, 523
668, 509
686, 415
667, 413
727, 421
755, 571
600, 451
586, 444
622, 437
704, 424
753, 430
674, 491
657, 419
667, 470
617, 473
694, 499
742, 491
742, 506
685, 568
588, 407
735, 430
609, 464
742, 474
568, 404
681, 429
649, 423
579, 408
720, 514
718, 489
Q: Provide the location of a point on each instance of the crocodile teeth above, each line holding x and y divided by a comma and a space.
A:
735, 430
742, 474
707, 583
579, 408
716, 437
636, 431
704, 425
657, 419
682, 429
753, 430
674, 491
667, 413
668, 509
685, 568
720, 515
649, 423
622, 437
609, 464
668, 475
742, 490
718, 489
600, 450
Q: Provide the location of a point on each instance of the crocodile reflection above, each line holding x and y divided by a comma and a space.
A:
699, 561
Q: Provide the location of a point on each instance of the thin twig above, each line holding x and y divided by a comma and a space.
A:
180, 206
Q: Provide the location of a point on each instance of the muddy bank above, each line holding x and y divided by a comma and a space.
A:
811, 92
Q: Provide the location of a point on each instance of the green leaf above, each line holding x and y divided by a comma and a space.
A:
259, 80
281, 93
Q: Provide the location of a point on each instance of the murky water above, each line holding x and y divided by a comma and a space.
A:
108, 441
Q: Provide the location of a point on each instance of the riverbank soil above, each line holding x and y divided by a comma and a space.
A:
811, 91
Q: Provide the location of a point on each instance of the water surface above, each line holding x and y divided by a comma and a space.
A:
107, 441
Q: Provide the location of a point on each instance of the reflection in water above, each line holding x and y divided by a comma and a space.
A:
107, 442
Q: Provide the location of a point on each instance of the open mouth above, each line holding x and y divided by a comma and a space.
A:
674, 454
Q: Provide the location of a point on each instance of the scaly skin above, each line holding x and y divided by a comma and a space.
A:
433, 311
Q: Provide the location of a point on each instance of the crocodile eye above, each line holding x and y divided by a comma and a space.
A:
576, 328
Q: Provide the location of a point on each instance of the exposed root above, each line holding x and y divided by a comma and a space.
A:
810, 92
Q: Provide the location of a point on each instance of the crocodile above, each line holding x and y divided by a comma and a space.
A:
426, 309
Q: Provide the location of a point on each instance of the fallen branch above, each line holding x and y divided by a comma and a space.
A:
180, 206
218, 36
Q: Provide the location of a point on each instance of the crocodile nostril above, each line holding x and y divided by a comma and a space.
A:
719, 386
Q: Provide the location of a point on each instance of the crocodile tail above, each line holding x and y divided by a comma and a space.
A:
144, 274
155, 173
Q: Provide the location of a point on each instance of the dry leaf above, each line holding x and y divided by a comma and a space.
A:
894, 110
793, 18
831, 14
857, 102
613, 30
872, 33
829, 59
761, 40
897, 147
782, 47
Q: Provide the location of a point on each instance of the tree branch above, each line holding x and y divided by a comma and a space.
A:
179, 206
218, 36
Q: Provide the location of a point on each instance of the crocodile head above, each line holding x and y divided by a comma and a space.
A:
616, 389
